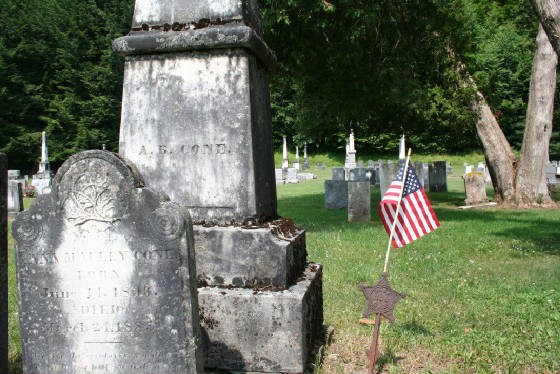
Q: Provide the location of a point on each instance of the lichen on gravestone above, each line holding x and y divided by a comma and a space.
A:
106, 275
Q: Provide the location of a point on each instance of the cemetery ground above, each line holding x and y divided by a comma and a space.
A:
483, 291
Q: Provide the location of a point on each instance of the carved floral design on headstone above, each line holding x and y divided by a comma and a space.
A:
91, 198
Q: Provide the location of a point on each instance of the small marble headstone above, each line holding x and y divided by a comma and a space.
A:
291, 177
279, 175
387, 173
306, 176
15, 196
550, 175
14, 174
480, 167
106, 275
3, 264
426, 175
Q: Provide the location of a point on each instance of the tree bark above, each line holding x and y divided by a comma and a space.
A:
531, 188
548, 12
497, 150
499, 156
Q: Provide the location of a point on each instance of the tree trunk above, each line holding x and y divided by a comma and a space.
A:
497, 151
530, 180
499, 156
549, 15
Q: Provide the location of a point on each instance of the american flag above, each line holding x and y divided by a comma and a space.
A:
416, 217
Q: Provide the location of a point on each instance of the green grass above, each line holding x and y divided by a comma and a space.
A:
483, 291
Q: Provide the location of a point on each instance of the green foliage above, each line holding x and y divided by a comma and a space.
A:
370, 66
58, 74
501, 60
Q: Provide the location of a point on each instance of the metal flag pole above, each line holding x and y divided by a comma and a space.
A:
397, 212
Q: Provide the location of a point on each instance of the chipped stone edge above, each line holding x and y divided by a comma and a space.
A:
217, 37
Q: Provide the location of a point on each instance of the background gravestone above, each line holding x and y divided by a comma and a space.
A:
475, 188
338, 174
387, 173
15, 196
336, 194
358, 174
438, 176
106, 275
3, 264
359, 201
419, 168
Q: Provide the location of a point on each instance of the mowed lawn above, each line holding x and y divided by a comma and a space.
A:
482, 291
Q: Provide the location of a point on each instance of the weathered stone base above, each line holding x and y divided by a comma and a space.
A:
263, 331
243, 257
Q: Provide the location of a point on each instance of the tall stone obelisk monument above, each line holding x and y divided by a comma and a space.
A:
42, 180
196, 122
196, 105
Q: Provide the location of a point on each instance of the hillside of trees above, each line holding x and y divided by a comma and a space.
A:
373, 66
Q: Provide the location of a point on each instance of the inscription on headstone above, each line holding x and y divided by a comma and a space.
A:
162, 101
106, 275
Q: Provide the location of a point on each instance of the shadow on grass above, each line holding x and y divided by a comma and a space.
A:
388, 357
415, 328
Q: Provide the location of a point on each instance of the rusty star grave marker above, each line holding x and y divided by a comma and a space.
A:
381, 297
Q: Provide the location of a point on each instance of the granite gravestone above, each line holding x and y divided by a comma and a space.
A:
437, 176
224, 169
106, 275
359, 201
3, 264
336, 194
338, 174
358, 174
387, 173
419, 168
196, 121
